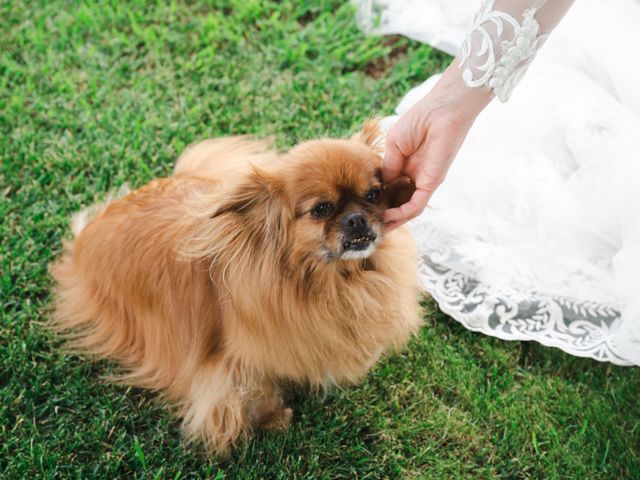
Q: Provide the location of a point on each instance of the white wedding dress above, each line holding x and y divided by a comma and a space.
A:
535, 233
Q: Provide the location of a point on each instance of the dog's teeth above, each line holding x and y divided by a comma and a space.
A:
356, 241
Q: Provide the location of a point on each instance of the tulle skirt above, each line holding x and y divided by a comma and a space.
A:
535, 233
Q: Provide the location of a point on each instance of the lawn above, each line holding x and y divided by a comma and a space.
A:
95, 94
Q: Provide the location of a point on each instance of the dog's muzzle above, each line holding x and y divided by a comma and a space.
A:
357, 235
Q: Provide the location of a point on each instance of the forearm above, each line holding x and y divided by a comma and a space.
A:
547, 13
504, 40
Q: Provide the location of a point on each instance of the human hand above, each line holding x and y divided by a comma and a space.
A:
426, 138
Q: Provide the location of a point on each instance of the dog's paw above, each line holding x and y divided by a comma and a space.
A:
279, 420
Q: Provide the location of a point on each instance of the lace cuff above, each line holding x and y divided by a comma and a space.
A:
499, 48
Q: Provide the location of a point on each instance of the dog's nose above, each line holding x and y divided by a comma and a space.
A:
355, 223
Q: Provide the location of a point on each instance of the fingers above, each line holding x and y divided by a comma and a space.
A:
409, 210
388, 227
427, 168
393, 161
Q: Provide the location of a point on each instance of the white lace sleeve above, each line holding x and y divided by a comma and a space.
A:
505, 37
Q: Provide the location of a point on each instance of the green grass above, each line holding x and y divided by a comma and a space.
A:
96, 94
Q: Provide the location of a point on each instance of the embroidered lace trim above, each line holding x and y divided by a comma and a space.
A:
499, 48
580, 328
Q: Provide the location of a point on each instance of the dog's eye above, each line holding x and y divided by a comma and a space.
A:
323, 209
374, 195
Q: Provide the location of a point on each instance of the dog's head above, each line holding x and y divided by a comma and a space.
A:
322, 201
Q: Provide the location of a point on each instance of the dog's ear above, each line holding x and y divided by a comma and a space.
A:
370, 135
257, 192
398, 192
251, 207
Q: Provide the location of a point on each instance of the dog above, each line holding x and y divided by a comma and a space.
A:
245, 269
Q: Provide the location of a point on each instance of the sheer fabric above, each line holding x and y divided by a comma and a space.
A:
505, 37
535, 234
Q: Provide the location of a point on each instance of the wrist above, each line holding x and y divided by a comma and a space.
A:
468, 100
452, 99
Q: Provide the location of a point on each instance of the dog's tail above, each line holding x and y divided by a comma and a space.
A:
222, 157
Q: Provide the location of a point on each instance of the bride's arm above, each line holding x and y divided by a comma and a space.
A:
493, 58
505, 37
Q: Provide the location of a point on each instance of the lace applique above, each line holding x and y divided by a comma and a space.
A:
499, 49
580, 328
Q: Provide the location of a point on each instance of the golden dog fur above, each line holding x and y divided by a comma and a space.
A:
215, 284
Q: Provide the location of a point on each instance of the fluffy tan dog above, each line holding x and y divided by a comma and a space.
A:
243, 269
